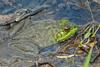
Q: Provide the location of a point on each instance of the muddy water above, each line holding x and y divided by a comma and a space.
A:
21, 44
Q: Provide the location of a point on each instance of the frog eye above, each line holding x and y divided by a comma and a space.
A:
66, 28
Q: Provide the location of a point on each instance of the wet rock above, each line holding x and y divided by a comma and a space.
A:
29, 37
98, 1
20, 63
10, 6
26, 37
60, 8
39, 32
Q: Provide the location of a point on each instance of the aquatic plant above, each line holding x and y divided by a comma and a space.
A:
87, 59
82, 38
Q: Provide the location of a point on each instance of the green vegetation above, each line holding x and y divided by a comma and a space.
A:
87, 59
84, 38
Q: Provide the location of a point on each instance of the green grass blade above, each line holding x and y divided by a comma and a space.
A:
87, 59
